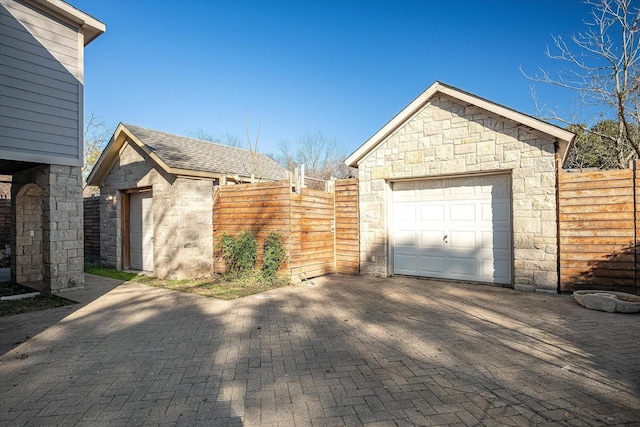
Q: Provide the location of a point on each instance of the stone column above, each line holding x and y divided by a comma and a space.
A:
59, 261
62, 226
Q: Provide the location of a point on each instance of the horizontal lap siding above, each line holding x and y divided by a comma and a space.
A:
597, 230
347, 227
41, 84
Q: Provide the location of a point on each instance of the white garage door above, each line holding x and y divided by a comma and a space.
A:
455, 228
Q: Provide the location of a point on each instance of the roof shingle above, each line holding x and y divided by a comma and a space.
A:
180, 152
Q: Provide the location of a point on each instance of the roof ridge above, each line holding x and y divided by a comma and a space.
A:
128, 125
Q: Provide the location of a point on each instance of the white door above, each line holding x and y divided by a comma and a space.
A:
454, 228
141, 231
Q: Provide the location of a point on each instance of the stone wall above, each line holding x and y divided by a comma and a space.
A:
447, 138
182, 211
183, 226
48, 232
29, 265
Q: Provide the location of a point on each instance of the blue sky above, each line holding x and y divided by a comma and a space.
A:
343, 68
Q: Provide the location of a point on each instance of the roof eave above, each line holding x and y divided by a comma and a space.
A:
92, 28
110, 154
107, 158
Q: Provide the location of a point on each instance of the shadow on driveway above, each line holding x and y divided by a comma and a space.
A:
347, 351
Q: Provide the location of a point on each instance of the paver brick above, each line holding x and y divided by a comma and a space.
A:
347, 351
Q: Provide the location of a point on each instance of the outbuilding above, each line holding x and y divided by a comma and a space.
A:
156, 198
459, 187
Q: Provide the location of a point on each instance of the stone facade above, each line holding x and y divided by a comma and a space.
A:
445, 138
48, 234
182, 217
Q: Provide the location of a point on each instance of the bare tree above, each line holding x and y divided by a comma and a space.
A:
323, 157
602, 67
591, 151
225, 138
253, 146
96, 136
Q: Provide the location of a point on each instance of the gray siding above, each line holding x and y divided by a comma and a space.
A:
40, 86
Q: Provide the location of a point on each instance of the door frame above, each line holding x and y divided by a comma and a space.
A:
125, 196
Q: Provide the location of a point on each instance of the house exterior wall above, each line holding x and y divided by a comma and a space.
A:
447, 138
182, 217
41, 70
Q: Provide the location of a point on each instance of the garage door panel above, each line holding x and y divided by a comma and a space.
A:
465, 240
474, 213
404, 212
431, 239
406, 238
498, 240
463, 267
497, 269
406, 263
501, 241
432, 213
462, 190
432, 265
499, 211
462, 213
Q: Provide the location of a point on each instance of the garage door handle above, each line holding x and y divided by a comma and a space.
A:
445, 237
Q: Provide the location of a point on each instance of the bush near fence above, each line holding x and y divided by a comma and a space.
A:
319, 229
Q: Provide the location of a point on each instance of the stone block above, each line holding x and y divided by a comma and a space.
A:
546, 280
397, 167
455, 133
464, 149
413, 157
444, 152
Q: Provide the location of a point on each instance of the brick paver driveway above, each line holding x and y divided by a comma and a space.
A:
346, 351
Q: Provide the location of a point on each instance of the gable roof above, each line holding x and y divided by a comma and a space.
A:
184, 156
564, 137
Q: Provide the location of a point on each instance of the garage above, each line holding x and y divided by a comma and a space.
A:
453, 228
455, 186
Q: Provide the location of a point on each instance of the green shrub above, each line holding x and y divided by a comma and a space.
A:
239, 253
272, 256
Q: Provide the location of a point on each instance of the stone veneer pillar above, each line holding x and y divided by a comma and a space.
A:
56, 259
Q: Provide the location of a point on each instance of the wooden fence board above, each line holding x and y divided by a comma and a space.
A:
597, 230
566, 177
347, 234
320, 229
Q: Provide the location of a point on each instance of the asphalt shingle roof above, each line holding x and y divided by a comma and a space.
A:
193, 154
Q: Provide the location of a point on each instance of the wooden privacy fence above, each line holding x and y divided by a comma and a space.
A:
319, 229
598, 226
5, 222
91, 207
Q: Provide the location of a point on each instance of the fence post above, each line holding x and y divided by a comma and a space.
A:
635, 228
